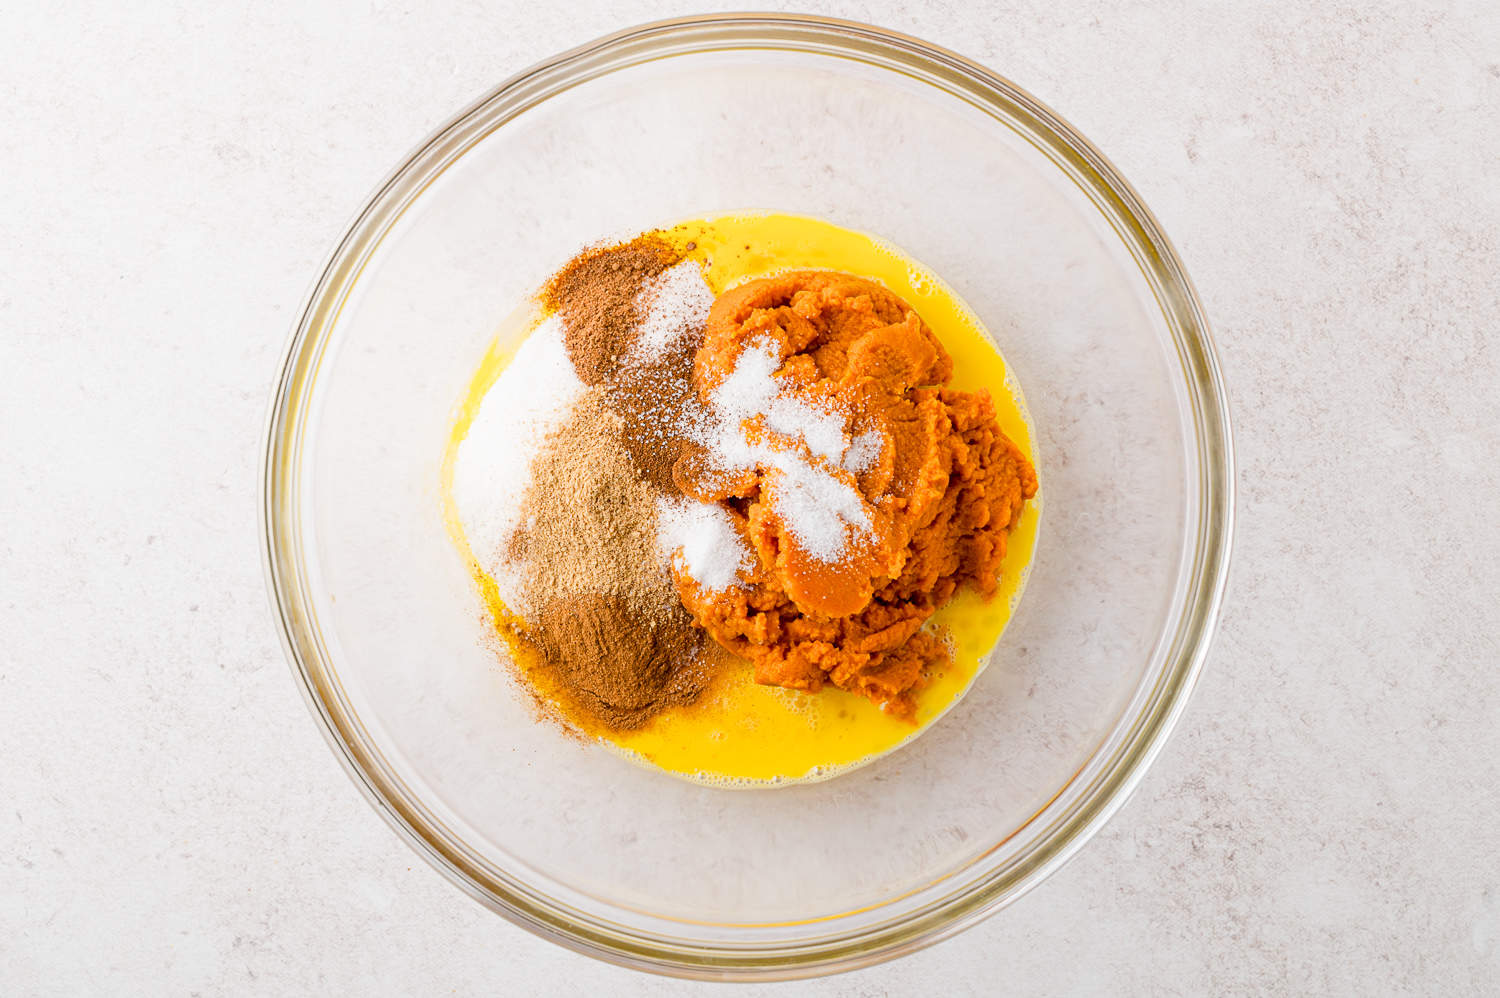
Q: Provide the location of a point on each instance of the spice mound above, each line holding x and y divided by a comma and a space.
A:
865, 491
660, 479
559, 512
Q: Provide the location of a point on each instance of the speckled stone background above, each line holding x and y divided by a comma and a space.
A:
1325, 819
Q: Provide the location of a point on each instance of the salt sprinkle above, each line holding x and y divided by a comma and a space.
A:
751, 390
529, 400
821, 430
819, 507
701, 538
864, 451
676, 302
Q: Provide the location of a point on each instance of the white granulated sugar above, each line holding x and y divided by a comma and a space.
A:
751, 389
864, 451
822, 431
529, 400
751, 386
701, 539
819, 507
675, 303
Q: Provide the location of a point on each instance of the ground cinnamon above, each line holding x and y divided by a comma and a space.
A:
621, 666
652, 398
599, 295
596, 295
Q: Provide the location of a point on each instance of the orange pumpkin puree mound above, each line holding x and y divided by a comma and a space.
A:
944, 491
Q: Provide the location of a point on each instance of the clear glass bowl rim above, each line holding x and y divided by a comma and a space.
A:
1100, 787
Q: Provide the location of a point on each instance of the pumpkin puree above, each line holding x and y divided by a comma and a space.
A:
944, 491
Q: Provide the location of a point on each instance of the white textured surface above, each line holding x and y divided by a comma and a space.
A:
1325, 819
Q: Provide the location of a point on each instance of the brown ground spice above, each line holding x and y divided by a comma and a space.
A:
596, 293
652, 399
621, 666
603, 614
590, 522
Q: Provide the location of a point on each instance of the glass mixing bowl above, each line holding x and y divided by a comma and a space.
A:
874, 131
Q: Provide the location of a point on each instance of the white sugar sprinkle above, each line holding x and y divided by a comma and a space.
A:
819, 510
701, 538
818, 505
676, 302
751, 389
864, 451
822, 431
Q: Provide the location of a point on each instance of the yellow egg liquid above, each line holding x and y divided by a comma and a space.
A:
739, 733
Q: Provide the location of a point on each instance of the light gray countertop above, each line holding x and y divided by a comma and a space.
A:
1325, 818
